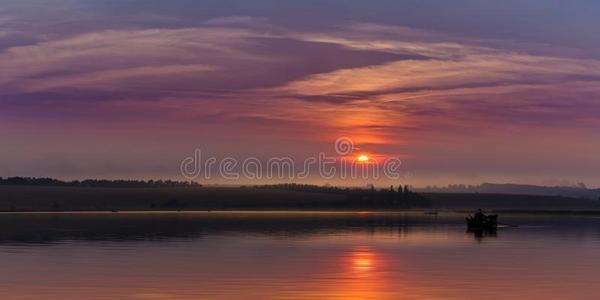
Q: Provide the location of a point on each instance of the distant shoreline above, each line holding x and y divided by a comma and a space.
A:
29, 199
301, 212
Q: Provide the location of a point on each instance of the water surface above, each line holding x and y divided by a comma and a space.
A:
295, 256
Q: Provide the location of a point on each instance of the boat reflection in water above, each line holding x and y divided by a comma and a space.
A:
481, 233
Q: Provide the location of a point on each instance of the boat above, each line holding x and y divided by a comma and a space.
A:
485, 222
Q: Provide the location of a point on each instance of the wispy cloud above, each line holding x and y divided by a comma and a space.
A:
395, 89
459, 77
235, 21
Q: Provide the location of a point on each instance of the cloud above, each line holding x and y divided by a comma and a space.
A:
117, 78
246, 59
235, 20
475, 70
391, 88
118, 49
460, 83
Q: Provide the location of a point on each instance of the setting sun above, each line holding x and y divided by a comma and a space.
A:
363, 158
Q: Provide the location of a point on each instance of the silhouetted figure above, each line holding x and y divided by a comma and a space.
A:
479, 216
482, 221
482, 225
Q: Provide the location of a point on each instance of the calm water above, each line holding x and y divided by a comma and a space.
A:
295, 256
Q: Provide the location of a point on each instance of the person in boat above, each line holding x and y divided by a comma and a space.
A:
479, 216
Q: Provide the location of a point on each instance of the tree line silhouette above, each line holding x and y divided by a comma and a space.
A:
370, 197
119, 183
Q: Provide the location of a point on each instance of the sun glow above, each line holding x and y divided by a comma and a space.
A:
363, 158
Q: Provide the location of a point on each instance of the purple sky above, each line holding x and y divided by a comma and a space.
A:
462, 91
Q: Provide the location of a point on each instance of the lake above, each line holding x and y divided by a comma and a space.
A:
317, 255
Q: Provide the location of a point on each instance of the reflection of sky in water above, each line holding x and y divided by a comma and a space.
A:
434, 261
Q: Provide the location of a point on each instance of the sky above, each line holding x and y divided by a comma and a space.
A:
463, 91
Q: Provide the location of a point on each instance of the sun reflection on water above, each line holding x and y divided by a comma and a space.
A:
362, 259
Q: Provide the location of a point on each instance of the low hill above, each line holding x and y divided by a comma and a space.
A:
579, 191
471, 201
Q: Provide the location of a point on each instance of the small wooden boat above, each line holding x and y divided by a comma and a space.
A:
482, 222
